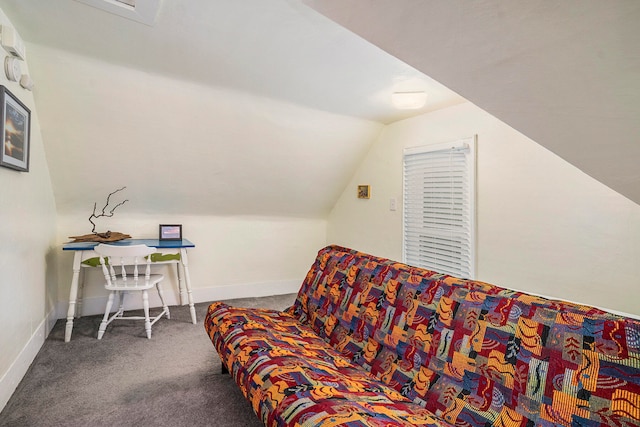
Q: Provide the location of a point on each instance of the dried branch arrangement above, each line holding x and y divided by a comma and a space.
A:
104, 209
109, 236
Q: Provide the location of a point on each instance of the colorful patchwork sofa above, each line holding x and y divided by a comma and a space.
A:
372, 342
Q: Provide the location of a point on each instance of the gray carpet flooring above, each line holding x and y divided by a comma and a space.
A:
174, 379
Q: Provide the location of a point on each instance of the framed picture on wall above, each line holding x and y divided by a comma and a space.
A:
15, 128
170, 232
364, 191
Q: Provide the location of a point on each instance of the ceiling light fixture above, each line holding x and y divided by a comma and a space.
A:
409, 100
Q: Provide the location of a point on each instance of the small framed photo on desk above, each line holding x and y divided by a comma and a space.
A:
170, 232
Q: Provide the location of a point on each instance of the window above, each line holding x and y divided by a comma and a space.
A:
439, 207
143, 11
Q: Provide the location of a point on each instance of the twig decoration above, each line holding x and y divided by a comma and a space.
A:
104, 209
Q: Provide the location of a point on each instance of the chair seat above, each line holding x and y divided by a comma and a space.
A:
134, 285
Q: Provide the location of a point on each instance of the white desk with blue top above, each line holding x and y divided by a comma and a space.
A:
169, 252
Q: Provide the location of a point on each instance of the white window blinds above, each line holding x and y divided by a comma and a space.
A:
439, 207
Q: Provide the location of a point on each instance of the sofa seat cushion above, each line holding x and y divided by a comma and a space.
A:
293, 377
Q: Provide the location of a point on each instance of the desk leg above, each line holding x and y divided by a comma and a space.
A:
187, 280
73, 294
181, 290
80, 295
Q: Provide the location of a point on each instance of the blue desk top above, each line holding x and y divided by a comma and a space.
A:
155, 243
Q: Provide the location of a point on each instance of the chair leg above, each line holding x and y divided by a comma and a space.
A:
145, 305
103, 324
121, 307
164, 304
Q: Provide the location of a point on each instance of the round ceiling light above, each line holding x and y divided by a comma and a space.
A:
409, 100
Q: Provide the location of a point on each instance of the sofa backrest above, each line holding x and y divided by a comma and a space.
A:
471, 352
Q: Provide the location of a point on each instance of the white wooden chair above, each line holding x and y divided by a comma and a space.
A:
114, 258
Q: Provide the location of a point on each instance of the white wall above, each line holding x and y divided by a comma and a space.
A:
251, 179
543, 225
234, 257
27, 239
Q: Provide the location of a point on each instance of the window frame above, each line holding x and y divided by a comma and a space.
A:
467, 146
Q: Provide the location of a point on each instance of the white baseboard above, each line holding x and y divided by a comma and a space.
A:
96, 305
19, 367
247, 290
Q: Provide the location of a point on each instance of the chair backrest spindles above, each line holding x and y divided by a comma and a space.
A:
123, 270
112, 256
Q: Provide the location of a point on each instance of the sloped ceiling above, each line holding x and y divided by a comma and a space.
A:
279, 49
186, 148
299, 98
564, 73
221, 107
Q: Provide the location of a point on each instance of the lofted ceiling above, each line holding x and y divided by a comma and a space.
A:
564, 73
219, 107
301, 89
279, 49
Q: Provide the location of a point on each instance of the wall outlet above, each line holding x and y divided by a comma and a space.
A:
393, 204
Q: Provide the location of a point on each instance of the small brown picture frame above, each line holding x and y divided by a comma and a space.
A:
364, 191
170, 232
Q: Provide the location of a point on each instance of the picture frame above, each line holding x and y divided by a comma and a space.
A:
364, 191
170, 232
15, 131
